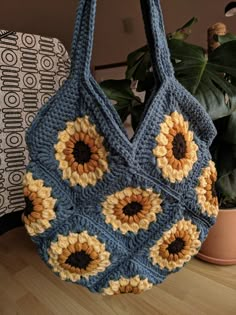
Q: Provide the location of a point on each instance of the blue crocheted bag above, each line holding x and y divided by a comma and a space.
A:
106, 212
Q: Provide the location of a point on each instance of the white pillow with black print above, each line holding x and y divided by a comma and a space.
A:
32, 68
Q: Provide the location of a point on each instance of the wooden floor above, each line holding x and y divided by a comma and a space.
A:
28, 287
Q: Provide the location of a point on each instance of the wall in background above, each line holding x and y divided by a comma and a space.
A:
208, 13
55, 18
113, 45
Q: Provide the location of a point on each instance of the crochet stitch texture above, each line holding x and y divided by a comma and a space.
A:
109, 213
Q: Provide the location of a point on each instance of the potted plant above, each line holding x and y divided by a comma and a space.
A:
211, 77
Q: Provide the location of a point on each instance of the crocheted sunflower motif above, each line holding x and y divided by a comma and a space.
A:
131, 209
78, 255
81, 154
176, 151
176, 246
127, 285
39, 210
206, 192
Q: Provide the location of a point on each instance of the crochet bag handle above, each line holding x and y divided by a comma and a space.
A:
82, 43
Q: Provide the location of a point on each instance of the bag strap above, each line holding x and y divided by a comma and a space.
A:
82, 43
82, 37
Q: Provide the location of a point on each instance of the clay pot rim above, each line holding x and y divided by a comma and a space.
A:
227, 210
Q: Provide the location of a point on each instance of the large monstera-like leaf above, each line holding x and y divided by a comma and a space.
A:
205, 76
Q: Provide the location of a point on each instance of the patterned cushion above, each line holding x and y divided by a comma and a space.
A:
32, 68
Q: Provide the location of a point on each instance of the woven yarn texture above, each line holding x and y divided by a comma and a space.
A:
109, 213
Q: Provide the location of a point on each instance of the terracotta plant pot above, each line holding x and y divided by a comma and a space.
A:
220, 245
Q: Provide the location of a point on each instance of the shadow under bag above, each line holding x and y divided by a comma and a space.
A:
112, 214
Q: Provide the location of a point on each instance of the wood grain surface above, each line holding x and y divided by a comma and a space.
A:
28, 287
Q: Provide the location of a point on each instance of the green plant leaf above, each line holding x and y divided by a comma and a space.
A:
121, 93
226, 169
118, 89
222, 39
204, 76
147, 83
138, 63
227, 186
229, 133
184, 31
226, 202
123, 113
189, 24
226, 158
223, 152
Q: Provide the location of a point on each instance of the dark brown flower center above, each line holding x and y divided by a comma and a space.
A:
132, 208
79, 260
29, 207
179, 146
82, 152
176, 246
